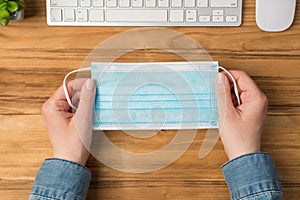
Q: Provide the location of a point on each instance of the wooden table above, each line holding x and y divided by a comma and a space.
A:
36, 57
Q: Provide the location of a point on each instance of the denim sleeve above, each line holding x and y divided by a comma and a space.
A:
61, 179
252, 176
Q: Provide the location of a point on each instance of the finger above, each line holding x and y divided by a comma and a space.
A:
232, 85
58, 102
76, 98
83, 116
234, 99
224, 101
223, 91
250, 92
244, 81
56, 111
72, 85
86, 102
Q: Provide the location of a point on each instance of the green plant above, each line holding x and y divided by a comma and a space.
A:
8, 8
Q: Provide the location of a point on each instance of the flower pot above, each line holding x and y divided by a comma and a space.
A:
18, 16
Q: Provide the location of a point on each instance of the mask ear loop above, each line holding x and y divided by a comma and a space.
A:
65, 85
88, 68
236, 92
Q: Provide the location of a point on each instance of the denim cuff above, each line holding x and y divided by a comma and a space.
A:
61, 179
252, 175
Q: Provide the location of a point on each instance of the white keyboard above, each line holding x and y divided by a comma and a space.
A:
144, 12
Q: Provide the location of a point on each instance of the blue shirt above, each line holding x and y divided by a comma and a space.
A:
251, 176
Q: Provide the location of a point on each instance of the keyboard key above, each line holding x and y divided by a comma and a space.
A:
163, 3
98, 3
176, 3
85, 3
150, 3
124, 3
63, 3
56, 15
202, 3
218, 12
137, 3
135, 15
191, 16
223, 3
96, 15
189, 3
231, 18
82, 15
218, 19
111, 3
69, 15
204, 18
176, 15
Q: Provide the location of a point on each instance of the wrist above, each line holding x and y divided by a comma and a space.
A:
79, 161
232, 156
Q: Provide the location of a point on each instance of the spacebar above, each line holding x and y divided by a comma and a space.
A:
135, 15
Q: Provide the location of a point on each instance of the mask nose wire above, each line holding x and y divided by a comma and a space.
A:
236, 92
65, 85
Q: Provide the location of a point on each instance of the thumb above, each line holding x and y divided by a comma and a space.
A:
84, 113
86, 102
223, 94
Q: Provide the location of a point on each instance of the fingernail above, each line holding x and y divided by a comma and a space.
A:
220, 78
90, 84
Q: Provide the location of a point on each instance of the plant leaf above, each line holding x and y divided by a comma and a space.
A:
3, 5
4, 22
21, 5
12, 6
4, 14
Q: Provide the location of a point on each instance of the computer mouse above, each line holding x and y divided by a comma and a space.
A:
275, 15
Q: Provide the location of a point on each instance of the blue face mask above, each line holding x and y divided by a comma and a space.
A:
177, 95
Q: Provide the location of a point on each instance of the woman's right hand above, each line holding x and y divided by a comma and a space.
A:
240, 126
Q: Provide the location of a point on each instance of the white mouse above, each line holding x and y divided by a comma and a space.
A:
275, 15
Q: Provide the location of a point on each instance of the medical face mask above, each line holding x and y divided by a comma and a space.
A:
170, 95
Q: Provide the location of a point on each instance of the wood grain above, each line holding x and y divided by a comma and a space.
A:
35, 58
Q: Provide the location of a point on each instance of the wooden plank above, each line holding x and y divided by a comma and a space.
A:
133, 190
24, 91
25, 144
56, 44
